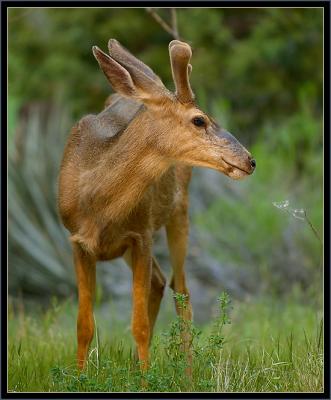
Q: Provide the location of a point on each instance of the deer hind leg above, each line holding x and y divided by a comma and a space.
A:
156, 294
177, 235
85, 272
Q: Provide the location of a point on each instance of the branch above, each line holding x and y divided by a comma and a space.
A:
174, 22
173, 31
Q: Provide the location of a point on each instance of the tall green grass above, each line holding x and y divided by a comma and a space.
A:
264, 346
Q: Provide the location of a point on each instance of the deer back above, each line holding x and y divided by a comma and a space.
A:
88, 141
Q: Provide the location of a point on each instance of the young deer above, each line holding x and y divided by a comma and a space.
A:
125, 174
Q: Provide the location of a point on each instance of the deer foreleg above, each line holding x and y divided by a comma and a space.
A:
142, 273
156, 292
85, 272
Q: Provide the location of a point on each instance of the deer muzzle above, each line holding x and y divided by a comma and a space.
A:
236, 161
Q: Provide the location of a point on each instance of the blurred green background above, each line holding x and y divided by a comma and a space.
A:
257, 71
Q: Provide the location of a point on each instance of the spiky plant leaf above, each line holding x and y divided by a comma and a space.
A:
40, 260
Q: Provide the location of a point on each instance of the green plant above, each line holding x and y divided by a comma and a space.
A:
39, 252
271, 346
179, 342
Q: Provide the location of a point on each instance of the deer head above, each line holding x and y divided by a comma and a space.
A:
172, 123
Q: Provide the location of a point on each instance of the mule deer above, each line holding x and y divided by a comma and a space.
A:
125, 174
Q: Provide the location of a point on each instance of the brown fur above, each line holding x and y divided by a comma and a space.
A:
125, 174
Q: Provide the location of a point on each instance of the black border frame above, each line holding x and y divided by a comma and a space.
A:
4, 199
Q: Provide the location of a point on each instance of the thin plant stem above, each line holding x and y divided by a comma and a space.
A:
174, 22
313, 229
173, 31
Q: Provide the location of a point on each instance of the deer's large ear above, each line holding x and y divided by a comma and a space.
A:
118, 77
127, 60
146, 81
129, 76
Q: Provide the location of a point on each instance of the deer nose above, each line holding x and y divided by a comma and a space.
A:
253, 163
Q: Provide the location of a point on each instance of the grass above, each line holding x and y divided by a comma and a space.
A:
268, 346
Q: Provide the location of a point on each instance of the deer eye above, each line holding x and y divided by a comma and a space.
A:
199, 121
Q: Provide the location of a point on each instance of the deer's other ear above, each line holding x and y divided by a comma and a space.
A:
132, 63
119, 77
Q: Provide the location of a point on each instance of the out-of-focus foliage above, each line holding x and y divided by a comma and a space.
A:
38, 248
279, 249
257, 71
260, 62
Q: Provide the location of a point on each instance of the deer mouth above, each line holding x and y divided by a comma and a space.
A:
235, 172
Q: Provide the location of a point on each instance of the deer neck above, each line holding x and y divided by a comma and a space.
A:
127, 170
